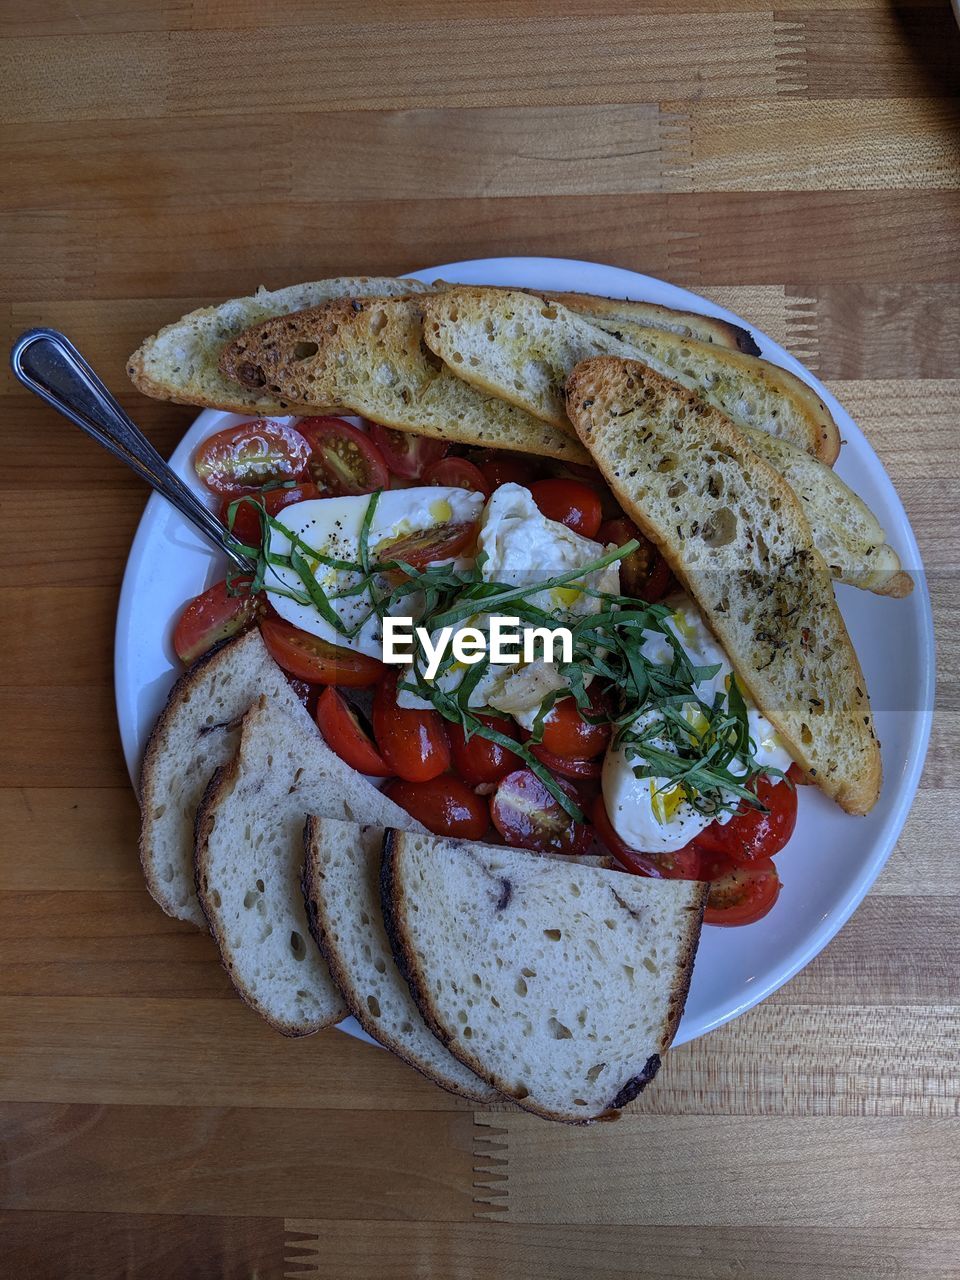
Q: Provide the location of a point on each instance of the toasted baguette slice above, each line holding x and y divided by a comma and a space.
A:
559, 983
180, 362
341, 888
369, 357
735, 534
249, 859
687, 324
535, 345
846, 532
197, 732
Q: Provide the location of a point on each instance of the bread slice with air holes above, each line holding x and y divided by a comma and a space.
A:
180, 363
369, 357
197, 732
561, 984
686, 324
249, 861
518, 346
736, 536
341, 888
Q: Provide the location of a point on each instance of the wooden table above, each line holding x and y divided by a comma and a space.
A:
800, 165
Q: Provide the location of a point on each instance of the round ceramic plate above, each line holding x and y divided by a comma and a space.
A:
832, 859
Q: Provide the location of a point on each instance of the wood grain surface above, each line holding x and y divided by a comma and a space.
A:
798, 164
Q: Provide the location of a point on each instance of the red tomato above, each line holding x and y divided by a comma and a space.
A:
480, 761
571, 503
251, 454
569, 768
739, 895
457, 473
644, 574
442, 542
508, 468
340, 725
413, 743
309, 658
344, 459
405, 453
211, 617
681, 864
445, 805
796, 775
527, 815
246, 519
567, 734
750, 834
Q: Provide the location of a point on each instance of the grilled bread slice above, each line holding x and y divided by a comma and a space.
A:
197, 732
561, 984
180, 362
249, 859
735, 534
370, 358
341, 888
687, 324
522, 348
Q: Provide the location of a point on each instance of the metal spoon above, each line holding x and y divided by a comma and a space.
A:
50, 366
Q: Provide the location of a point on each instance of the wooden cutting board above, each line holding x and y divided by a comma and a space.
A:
800, 165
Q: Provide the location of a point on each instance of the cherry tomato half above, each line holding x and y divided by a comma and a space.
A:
568, 735
681, 864
309, 658
246, 519
571, 503
751, 834
568, 768
442, 542
508, 468
211, 617
405, 453
457, 473
644, 574
796, 775
413, 743
253, 453
480, 761
527, 815
739, 895
344, 459
340, 725
445, 805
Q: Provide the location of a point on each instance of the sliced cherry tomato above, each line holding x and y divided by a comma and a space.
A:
441, 542
309, 658
508, 468
796, 775
246, 519
413, 743
644, 574
405, 453
251, 454
568, 768
739, 895
211, 617
751, 834
340, 725
681, 864
527, 815
567, 734
344, 459
480, 761
445, 805
571, 503
457, 473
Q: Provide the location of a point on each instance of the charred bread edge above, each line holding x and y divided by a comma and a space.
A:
310, 884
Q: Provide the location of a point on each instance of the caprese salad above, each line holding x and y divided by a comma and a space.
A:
642, 743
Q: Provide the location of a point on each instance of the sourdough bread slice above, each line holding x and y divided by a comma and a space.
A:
197, 732
561, 984
686, 324
180, 362
369, 357
249, 860
341, 888
736, 535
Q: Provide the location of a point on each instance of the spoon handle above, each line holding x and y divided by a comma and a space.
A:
49, 365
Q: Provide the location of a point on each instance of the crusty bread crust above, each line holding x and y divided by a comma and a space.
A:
688, 324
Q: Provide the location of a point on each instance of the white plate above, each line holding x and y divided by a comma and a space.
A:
832, 859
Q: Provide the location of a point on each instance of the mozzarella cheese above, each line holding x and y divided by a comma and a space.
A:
647, 813
331, 527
